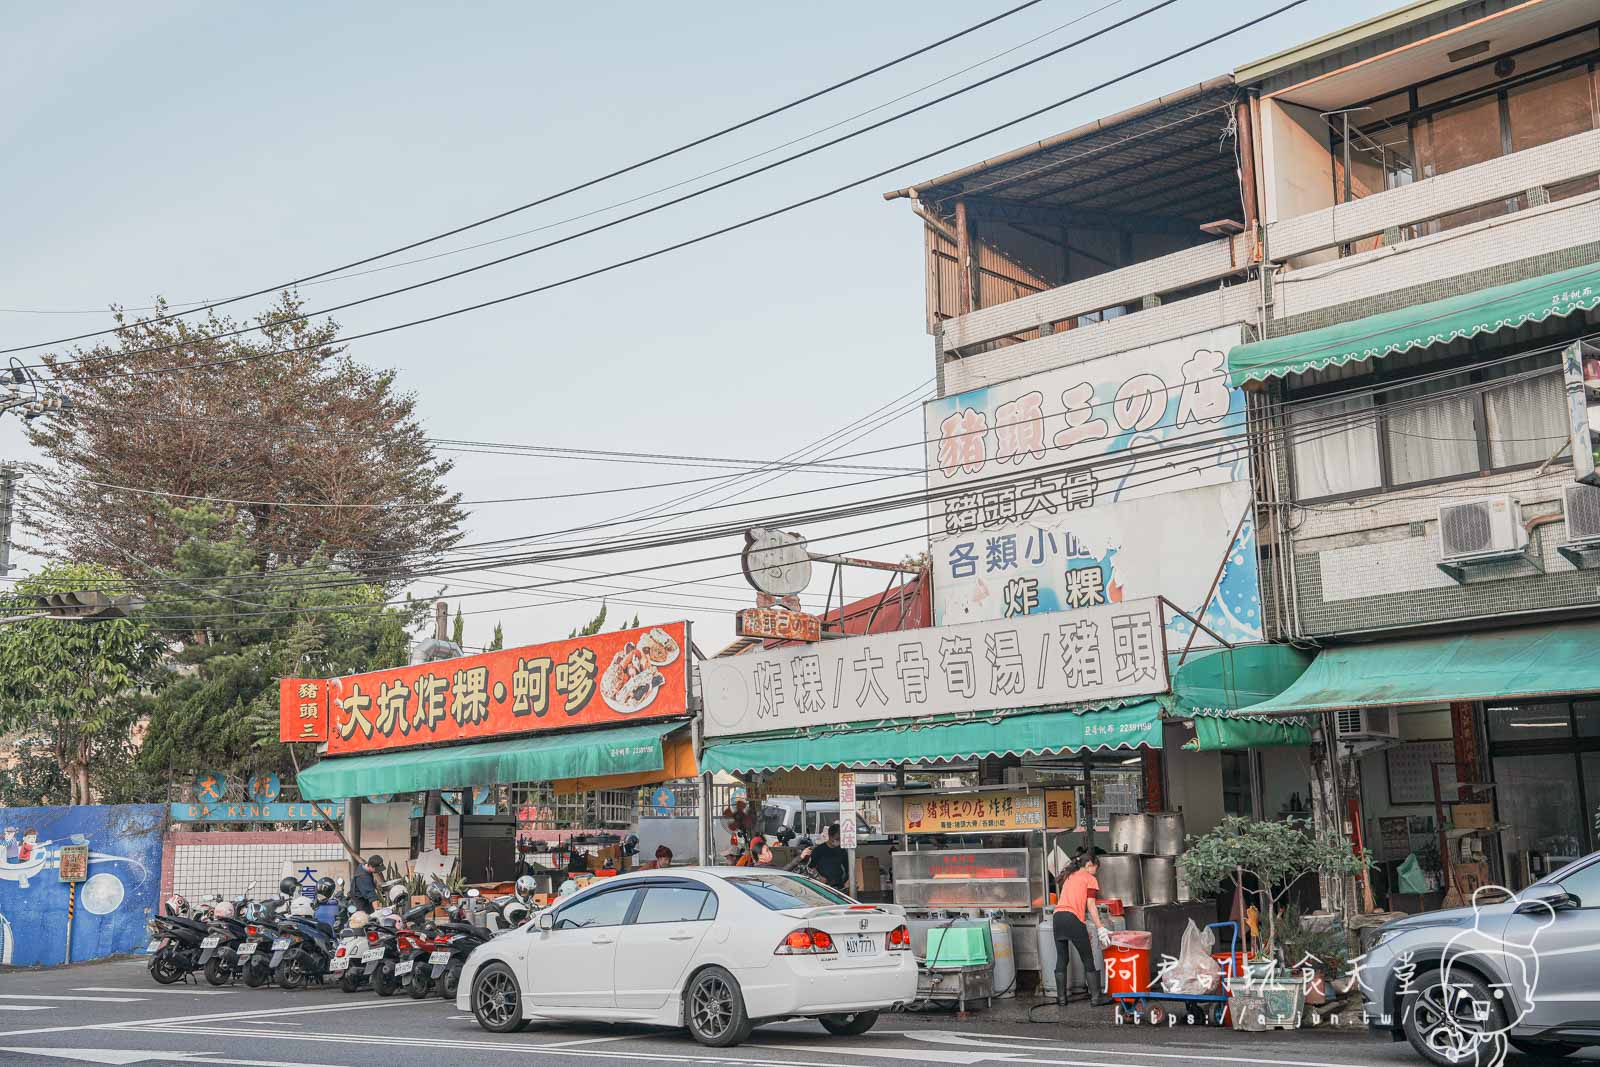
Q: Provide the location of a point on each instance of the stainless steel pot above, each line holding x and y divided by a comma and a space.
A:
1168, 832
1133, 834
1160, 875
1120, 878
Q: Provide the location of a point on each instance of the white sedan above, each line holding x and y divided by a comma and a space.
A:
715, 949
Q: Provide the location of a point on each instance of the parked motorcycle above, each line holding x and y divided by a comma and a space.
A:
219, 952
304, 945
390, 943
454, 941
175, 942
261, 932
346, 962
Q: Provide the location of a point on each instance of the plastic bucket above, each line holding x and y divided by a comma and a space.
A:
1127, 970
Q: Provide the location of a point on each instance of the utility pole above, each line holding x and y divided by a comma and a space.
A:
9, 476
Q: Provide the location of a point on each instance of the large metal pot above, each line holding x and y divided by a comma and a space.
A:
1160, 880
1120, 879
1133, 834
1168, 832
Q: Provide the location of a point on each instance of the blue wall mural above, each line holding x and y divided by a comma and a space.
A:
110, 908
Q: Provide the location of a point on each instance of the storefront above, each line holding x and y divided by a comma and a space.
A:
604, 712
1479, 753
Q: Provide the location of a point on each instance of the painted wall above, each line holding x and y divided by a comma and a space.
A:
202, 863
110, 909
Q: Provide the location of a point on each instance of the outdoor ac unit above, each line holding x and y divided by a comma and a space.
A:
1583, 514
1478, 529
1355, 724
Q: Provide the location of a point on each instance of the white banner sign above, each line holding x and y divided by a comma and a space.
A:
1115, 650
847, 809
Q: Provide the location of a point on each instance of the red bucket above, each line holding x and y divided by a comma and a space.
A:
1127, 970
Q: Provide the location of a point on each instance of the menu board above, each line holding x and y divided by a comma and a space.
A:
1410, 769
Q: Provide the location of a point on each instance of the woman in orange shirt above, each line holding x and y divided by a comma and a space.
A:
1075, 913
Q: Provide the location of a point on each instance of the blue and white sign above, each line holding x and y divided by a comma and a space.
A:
281, 811
209, 787
663, 801
1103, 482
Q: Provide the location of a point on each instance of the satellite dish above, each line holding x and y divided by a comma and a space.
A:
776, 561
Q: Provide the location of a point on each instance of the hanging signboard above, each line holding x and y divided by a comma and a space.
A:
302, 709
279, 811
586, 681
1111, 479
1114, 650
847, 809
1580, 365
777, 624
987, 813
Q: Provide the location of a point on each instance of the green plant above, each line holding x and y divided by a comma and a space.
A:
1328, 947
1427, 855
1276, 854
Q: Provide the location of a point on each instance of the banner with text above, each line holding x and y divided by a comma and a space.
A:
586, 681
1114, 650
1088, 486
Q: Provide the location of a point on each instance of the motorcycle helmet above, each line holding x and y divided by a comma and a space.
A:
177, 905
222, 910
398, 895
526, 886
289, 886
325, 888
358, 921
436, 893
301, 907
568, 888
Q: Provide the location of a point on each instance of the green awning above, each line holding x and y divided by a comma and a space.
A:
1440, 322
1043, 733
1220, 681
1213, 734
629, 750
1527, 662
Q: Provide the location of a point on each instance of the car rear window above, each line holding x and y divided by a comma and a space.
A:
778, 891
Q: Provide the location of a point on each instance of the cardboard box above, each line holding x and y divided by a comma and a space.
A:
869, 875
1472, 816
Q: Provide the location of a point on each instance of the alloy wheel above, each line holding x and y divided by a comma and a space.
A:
497, 998
711, 1006
1445, 1019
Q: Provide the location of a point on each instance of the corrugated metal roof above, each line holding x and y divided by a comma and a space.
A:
1165, 157
1397, 19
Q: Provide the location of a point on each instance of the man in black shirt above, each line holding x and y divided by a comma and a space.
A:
364, 886
830, 861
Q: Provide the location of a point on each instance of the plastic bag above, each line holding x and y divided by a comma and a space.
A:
1194, 971
1410, 876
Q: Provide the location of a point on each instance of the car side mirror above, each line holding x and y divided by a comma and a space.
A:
547, 921
1560, 900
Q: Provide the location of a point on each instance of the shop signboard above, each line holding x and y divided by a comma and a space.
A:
1580, 365
1098, 653
986, 813
1110, 480
277, 811
847, 809
302, 709
608, 678
777, 624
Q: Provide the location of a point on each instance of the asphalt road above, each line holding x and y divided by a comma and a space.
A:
111, 1012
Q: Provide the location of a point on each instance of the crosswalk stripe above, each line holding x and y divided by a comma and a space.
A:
93, 1000
145, 989
24, 1007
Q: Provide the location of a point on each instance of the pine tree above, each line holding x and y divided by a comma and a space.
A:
458, 631
498, 641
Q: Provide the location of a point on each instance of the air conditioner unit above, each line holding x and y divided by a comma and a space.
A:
1582, 507
1480, 529
1356, 724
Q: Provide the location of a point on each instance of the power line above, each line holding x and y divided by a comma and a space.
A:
695, 143
710, 234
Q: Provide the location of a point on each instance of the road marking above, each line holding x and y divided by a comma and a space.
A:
586, 1040
226, 1016
125, 1056
146, 989
92, 1000
1037, 1044
24, 1007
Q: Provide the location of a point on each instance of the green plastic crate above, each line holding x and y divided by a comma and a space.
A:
961, 945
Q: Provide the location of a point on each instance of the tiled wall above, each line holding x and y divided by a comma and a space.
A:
200, 864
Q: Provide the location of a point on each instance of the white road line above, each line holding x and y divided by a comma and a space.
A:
257, 1063
24, 1007
147, 989
92, 1000
1035, 1045
226, 1016
585, 1040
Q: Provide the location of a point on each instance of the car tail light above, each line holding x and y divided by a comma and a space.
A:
806, 941
900, 939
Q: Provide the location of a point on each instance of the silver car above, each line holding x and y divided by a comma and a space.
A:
1465, 985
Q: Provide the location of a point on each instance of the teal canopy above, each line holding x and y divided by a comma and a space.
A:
1457, 317
1044, 733
1527, 662
630, 750
1213, 734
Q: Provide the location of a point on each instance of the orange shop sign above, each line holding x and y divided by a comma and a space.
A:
586, 681
302, 709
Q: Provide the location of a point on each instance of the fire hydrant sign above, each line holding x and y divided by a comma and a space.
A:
1099, 653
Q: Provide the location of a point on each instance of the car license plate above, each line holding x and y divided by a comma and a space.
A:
860, 945
211, 942
339, 963
280, 945
403, 968
439, 957
154, 945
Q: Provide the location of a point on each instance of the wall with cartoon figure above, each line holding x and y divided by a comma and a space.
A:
109, 909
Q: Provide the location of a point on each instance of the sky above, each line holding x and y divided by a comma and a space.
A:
197, 151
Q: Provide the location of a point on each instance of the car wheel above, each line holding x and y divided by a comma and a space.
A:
1443, 1024
714, 1009
164, 968
1547, 1049
497, 1000
848, 1025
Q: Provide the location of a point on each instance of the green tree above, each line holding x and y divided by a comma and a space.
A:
634, 625
1276, 854
593, 626
458, 631
235, 628
70, 687
498, 641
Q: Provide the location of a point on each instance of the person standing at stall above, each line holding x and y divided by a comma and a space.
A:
829, 860
364, 886
1076, 911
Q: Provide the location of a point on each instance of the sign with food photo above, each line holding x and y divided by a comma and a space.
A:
584, 681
